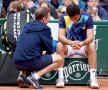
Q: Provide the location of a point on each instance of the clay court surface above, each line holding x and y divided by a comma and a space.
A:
103, 86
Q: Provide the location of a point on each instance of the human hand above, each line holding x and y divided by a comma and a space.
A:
75, 45
97, 18
80, 44
94, 9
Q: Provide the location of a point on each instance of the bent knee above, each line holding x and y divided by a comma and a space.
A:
57, 58
91, 47
60, 46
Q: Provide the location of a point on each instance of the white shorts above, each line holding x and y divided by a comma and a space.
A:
72, 52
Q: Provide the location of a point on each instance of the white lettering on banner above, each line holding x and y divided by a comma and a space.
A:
16, 25
76, 70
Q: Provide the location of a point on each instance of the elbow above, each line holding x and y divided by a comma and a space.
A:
91, 40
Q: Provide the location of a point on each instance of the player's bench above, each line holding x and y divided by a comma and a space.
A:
76, 71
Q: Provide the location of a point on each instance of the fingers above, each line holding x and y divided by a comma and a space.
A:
76, 45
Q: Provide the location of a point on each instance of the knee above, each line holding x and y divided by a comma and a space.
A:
91, 47
60, 59
57, 58
60, 46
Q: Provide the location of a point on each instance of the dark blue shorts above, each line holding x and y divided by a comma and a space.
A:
34, 65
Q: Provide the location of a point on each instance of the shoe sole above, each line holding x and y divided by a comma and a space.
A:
21, 83
94, 87
59, 86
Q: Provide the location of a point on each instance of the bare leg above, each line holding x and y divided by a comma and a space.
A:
57, 61
92, 59
92, 56
61, 49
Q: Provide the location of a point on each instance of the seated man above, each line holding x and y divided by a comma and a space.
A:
33, 40
76, 37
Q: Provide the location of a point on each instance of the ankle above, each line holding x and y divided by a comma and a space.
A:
60, 72
36, 76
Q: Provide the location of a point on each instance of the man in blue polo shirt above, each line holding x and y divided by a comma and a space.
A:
76, 37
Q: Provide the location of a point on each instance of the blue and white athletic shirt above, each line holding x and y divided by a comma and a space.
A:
76, 31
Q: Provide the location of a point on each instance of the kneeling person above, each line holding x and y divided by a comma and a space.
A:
33, 40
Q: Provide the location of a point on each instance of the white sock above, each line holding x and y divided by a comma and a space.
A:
36, 76
92, 74
60, 72
22, 73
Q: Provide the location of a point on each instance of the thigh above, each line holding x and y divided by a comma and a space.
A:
41, 63
81, 51
35, 65
72, 51
45, 60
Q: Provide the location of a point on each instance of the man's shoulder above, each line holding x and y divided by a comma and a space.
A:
63, 15
85, 13
85, 16
64, 18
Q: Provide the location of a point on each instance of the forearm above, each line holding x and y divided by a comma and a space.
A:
64, 40
87, 41
90, 35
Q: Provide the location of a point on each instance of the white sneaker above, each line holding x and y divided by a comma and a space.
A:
94, 84
60, 83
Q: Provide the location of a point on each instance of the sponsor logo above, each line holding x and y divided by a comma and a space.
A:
76, 70
16, 25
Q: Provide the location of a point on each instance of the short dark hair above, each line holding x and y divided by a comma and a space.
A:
41, 12
72, 10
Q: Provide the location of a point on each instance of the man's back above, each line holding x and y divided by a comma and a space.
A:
35, 37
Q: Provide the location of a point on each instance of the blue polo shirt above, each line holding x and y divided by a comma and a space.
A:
76, 31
